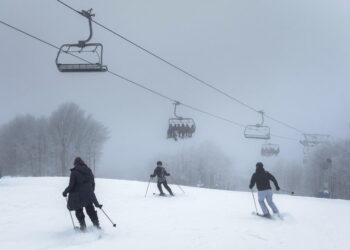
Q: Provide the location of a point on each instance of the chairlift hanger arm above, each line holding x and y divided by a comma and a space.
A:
88, 15
176, 103
85, 13
262, 118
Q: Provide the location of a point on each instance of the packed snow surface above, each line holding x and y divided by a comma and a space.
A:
34, 216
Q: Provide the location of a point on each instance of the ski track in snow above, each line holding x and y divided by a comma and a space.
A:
34, 217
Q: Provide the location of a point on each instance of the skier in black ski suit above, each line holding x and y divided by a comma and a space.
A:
161, 174
81, 193
262, 180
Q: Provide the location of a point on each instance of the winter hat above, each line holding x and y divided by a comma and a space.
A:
78, 162
159, 163
260, 167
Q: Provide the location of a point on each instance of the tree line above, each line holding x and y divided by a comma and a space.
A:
46, 146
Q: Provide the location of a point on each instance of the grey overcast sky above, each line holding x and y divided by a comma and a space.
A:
289, 58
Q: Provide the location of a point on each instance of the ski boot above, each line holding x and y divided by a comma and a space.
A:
82, 225
267, 216
96, 224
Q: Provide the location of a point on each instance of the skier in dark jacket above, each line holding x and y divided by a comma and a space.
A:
161, 174
262, 180
81, 193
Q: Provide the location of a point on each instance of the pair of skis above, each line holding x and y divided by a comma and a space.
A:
270, 217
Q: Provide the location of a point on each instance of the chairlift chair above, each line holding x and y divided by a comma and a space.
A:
258, 131
81, 56
269, 149
177, 122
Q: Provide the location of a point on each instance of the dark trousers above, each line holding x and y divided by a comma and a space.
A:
90, 210
165, 184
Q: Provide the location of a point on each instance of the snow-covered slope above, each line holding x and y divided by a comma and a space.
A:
33, 216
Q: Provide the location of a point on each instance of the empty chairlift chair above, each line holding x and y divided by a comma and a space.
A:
258, 131
82, 56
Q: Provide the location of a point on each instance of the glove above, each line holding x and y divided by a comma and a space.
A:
99, 206
278, 188
167, 174
151, 176
64, 194
250, 187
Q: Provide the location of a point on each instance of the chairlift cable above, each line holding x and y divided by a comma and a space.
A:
41, 40
136, 83
213, 115
181, 69
284, 137
27, 34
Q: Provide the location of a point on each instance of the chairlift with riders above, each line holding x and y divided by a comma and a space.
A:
180, 127
270, 149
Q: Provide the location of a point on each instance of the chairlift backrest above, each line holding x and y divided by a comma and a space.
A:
270, 146
181, 121
257, 132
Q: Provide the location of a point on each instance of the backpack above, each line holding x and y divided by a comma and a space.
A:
161, 174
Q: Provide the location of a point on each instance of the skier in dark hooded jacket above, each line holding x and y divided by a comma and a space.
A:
262, 180
81, 193
161, 174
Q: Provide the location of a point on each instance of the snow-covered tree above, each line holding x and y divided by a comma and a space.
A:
41, 146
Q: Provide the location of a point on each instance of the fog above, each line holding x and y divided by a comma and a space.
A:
288, 58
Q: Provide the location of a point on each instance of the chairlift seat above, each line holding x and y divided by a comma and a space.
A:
81, 68
78, 58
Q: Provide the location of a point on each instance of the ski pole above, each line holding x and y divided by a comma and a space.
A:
290, 192
114, 225
178, 185
149, 182
256, 209
71, 217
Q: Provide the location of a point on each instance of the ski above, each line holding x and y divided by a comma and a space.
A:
162, 195
272, 217
90, 230
262, 216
